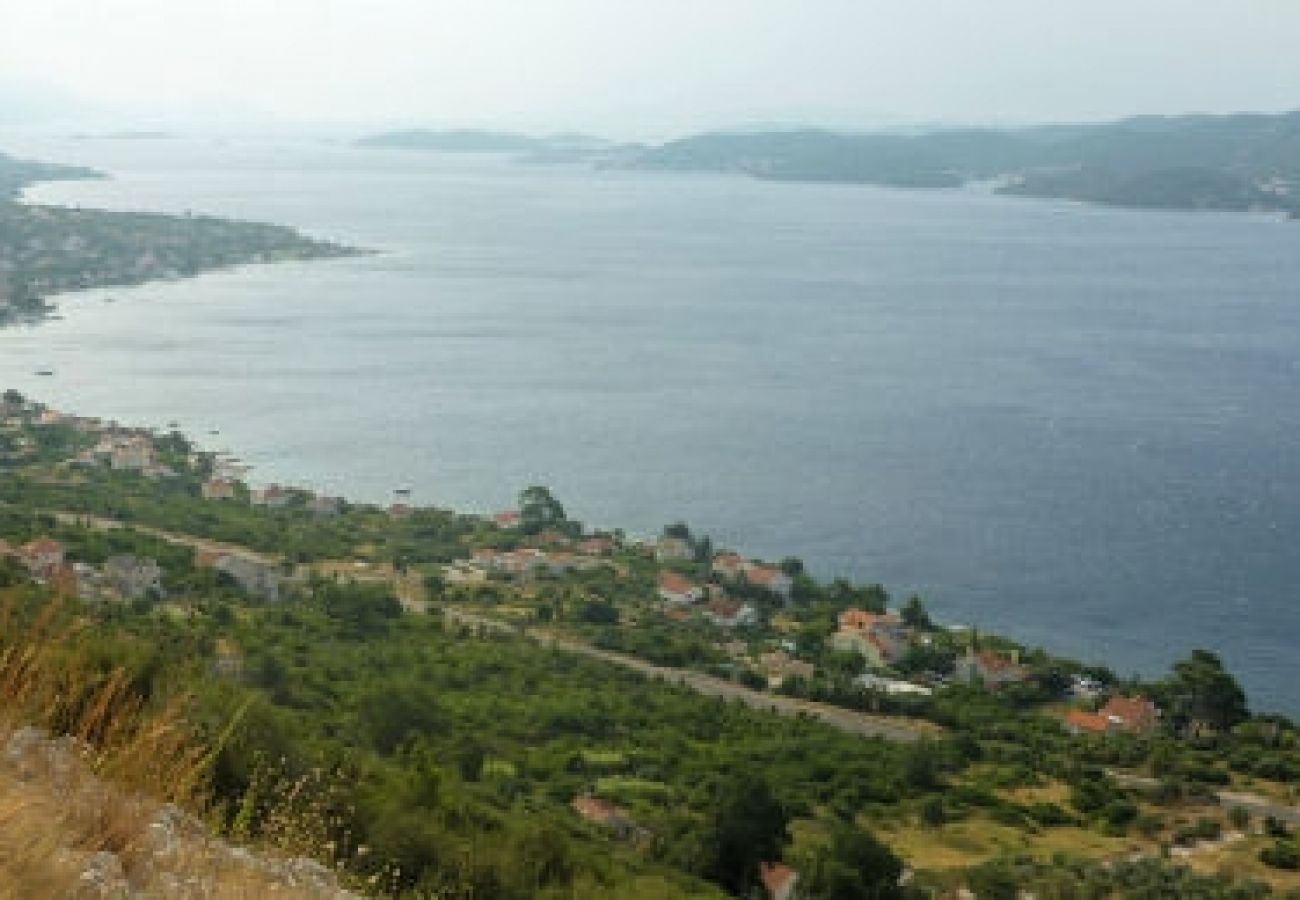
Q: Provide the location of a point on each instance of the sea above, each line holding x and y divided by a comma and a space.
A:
1076, 425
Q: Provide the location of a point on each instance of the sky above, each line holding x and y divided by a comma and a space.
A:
639, 68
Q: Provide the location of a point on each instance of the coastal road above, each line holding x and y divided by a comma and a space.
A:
900, 730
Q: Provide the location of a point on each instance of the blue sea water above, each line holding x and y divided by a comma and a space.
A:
1074, 424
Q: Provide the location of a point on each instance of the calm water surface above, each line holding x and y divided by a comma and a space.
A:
1077, 425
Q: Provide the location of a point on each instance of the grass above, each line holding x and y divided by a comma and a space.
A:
960, 845
1240, 860
100, 788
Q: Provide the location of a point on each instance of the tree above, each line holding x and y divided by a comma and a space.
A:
792, 566
854, 866
1202, 691
539, 510
915, 614
748, 828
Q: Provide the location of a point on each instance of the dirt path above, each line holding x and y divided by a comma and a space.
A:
183, 540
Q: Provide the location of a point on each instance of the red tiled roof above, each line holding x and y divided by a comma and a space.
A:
1135, 712
991, 662
674, 583
776, 877
726, 609
764, 576
1093, 723
593, 809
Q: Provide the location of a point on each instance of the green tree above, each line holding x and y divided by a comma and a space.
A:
854, 866
1201, 691
539, 510
749, 827
915, 614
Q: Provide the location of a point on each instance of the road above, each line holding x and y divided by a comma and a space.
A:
890, 729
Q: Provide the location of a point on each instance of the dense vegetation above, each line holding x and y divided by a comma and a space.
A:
432, 760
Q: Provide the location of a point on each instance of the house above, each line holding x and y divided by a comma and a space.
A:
675, 589
780, 880
880, 638
1078, 721
1133, 714
324, 507
596, 546
400, 511
41, 556
133, 577
989, 669
730, 613
257, 577
770, 579
272, 496
509, 518
132, 455
668, 549
603, 813
729, 565
892, 686
219, 489
779, 665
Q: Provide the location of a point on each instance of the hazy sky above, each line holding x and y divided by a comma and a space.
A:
643, 67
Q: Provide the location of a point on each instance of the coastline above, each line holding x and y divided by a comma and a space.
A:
276, 460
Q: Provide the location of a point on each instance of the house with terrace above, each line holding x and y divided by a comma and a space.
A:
678, 590
880, 638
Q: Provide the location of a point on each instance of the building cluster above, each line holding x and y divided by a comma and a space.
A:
259, 578
1120, 714
681, 597
121, 578
132, 451
224, 486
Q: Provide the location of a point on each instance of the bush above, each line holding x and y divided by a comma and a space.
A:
1049, 814
1282, 855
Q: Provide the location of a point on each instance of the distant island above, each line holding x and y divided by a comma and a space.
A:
47, 250
1247, 162
556, 148
1235, 162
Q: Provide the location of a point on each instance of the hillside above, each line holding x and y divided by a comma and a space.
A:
445, 704
1238, 162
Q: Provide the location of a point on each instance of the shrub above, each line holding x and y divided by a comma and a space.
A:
1282, 855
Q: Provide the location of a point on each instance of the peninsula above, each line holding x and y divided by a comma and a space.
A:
47, 250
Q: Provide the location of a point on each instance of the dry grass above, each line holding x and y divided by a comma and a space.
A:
99, 810
1240, 860
960, 845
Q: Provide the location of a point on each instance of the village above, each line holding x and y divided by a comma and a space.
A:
672, 606
531, 567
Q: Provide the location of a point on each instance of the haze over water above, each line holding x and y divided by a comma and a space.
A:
1076, 425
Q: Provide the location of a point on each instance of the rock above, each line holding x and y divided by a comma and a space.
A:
103, 877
